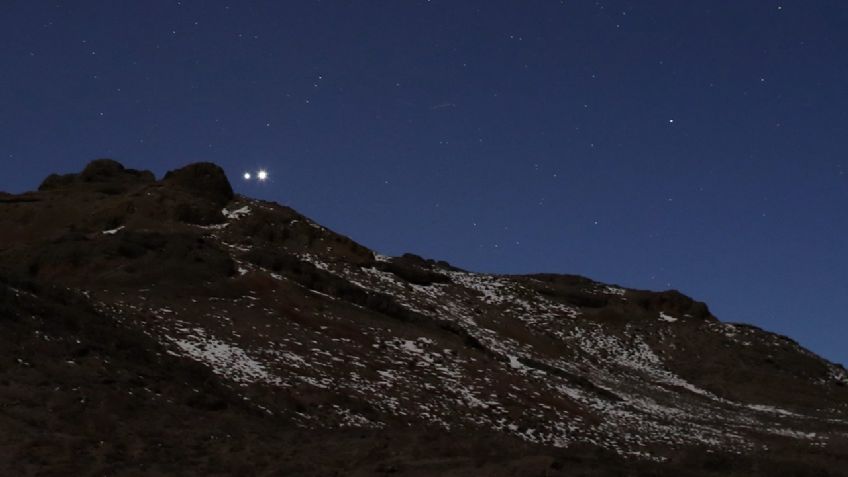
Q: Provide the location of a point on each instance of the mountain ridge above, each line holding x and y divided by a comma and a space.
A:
284, 320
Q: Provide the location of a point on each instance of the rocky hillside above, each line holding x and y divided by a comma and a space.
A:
171, 327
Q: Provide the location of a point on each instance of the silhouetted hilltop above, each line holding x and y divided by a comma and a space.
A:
162, 327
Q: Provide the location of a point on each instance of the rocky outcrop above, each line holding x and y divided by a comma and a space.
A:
100, 171
202, 179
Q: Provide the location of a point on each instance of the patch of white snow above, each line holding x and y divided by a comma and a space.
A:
237, 213
113, 231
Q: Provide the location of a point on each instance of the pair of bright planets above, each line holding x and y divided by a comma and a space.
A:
261, 175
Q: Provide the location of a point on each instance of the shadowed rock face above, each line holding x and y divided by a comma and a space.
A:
194, 194
106, 170
173, 328
98, 171
203, 179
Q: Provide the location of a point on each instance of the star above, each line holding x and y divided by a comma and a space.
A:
262, 175
247, 176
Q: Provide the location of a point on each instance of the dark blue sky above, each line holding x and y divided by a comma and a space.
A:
696, 145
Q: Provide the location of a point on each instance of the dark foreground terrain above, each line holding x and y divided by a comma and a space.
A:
173, 328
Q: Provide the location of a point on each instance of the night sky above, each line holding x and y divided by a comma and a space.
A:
695, 145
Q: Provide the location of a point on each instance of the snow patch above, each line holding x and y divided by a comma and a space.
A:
113, 231
667, 318
772, 410
225, 359
516, 364
838, 374
411, 346
610, 290
237, 213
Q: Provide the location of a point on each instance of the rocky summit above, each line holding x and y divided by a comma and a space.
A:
171, 327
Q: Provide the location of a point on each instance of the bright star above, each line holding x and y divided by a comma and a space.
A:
247, 176
262, 175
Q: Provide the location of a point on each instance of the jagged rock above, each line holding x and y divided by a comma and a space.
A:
203, 179
99, 171
57, 181
105, 170
674, 303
